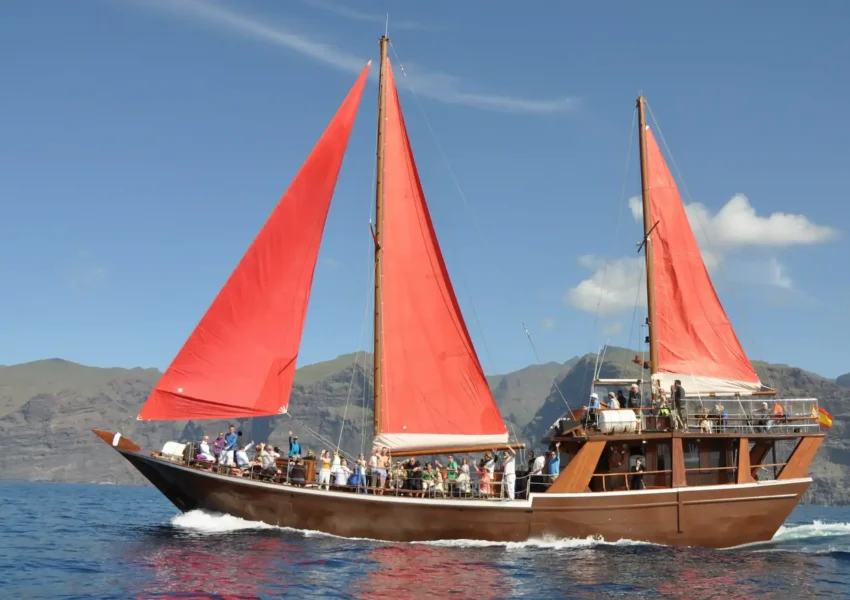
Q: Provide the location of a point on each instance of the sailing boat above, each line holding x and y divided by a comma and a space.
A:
431, 395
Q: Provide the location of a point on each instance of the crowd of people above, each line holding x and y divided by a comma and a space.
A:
674, 407
495, 475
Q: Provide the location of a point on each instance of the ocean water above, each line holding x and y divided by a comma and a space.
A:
107, 541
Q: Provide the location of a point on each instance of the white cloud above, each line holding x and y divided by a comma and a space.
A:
548, 323
435, 85
612, 287
615, 328
737, 224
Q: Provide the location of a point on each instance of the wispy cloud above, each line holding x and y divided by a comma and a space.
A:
548, 323
430, 84
356, 15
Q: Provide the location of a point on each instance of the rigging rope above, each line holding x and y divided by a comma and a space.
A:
537, 358
620, 204
369, 287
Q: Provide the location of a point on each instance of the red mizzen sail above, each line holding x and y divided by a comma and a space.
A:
240, 359
435, 393
696, 342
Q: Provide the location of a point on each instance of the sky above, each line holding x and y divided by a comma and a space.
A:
144, 143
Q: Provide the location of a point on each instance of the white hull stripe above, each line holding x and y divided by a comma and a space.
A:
493, 504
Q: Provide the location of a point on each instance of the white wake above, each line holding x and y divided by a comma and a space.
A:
203, 522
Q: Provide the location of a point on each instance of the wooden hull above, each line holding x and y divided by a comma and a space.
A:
711, 516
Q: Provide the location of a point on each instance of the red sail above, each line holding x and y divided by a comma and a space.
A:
240, 359
434, 390
696, 342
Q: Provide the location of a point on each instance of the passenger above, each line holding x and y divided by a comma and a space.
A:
205, 455
439, 488
612, 401
555, 462
592, 410
242, 460
298, 474
218, 446
325, 472
413, 481
621, 399
451, 476
464, 481
360, 473
484, 479
634, 396
294, 446
230, 445
342, 474
398, 474
536, 473
677, 393
385, 461
509, 472
267, 459
428, 480
763, 415
637, 477
705, 424
336, 463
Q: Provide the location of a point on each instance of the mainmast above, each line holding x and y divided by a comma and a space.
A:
379, 231
647, 239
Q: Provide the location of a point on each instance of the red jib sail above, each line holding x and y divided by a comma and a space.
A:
696, 342
240, 359
434, 393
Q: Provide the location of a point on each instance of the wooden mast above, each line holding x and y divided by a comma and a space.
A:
378, 233
647, 240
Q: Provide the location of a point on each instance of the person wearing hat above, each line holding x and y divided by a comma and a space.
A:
294, 446
634, 396
592, 409
613, 403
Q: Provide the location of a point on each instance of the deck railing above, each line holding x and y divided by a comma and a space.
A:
728, 415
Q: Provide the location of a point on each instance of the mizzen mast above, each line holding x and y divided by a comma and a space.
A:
647, 239
378, 233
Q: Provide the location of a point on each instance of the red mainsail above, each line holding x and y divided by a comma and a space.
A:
434, 390
240, 359
696, 341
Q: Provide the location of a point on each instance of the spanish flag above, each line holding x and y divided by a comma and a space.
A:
824, 418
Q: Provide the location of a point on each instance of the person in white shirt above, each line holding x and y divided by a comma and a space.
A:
509, 474
374, 476
242, 456
613, 403
205, 455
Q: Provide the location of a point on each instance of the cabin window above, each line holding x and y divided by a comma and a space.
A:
717, 454
691, 451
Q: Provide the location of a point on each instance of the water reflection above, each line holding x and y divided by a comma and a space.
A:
401, 571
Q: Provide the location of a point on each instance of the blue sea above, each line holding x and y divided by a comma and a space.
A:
108, 541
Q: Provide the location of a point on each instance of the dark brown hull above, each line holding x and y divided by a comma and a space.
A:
712, 516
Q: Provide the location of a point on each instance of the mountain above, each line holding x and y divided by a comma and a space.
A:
843, 380
48, 407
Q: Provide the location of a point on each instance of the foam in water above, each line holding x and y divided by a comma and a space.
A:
203, 522
200, 521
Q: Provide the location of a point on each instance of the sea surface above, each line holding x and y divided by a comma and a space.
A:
108, 541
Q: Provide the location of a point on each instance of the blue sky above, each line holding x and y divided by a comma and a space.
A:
144, 144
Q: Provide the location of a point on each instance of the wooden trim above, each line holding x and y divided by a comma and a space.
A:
757, 454
744, 474
577, 475
457, 450
679, 474
123, 443
799, 461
